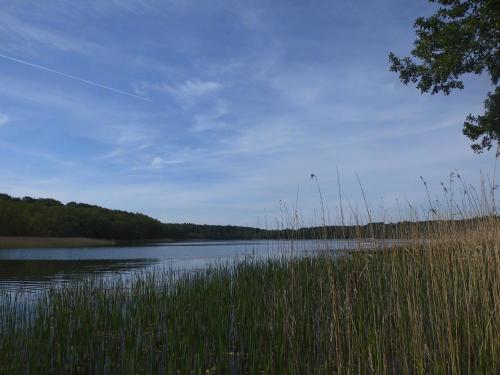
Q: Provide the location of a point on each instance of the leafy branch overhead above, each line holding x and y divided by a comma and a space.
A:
461, 37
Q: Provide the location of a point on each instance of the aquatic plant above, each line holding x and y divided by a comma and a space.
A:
426, 306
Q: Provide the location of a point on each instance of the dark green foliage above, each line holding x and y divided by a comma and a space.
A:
51, 218
462, 37
487, 125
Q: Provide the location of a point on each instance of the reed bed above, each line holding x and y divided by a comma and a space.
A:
426, 306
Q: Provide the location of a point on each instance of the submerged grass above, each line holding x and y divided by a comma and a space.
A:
429, 306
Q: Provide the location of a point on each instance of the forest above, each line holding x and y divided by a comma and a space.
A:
51, 218
46, 217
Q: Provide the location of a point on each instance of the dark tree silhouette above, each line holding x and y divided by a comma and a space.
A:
461, 37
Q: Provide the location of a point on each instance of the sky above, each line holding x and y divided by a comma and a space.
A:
218, 111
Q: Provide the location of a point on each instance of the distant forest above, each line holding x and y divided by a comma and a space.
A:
51, 218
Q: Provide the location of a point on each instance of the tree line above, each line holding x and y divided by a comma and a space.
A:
50, 218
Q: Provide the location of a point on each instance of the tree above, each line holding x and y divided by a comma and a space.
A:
460, 37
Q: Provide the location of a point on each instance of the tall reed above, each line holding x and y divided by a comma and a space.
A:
429, 304
426, 307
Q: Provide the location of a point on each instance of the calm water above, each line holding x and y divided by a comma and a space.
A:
32, 270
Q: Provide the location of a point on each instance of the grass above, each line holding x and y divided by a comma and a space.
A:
428, 304
426, 307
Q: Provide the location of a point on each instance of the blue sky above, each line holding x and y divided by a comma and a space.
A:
217, 111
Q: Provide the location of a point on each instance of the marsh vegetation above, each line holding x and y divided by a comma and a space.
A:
428, 304
426, 307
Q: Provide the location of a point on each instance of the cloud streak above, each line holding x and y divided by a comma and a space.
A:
187, 92
20, 35
75, 78
247, 103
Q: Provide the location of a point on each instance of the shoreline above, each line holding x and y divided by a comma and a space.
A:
29, 242
26, 242
48, 242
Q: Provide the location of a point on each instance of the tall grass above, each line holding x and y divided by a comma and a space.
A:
426, 305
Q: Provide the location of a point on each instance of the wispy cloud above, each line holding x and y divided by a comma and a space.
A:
251, 19
247, 102
75, 78
193, 88
3, 119
159, 162
186, 92
213, 119
20, 35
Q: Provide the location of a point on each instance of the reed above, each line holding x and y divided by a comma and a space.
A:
427, 306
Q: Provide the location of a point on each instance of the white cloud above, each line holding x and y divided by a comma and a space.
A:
3, 119
159, 162
194, 88
186, 92
212, 120
18, 35
250, 125
251, 19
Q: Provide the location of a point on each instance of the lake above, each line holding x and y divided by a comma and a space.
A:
28, 271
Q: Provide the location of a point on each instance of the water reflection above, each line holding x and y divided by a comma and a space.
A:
31, 270
36, 274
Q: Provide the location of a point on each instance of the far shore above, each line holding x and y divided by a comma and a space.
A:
48, 242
